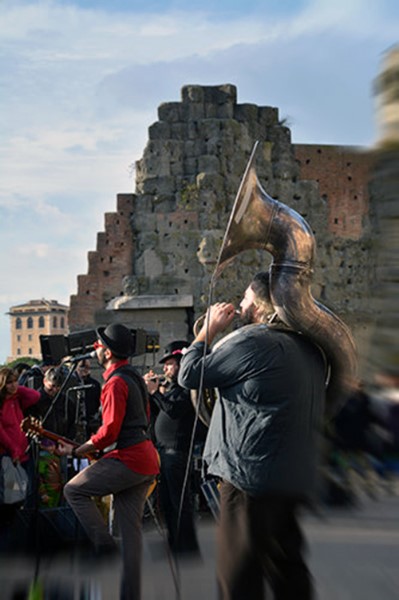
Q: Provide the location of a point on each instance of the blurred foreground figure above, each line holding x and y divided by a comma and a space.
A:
262, 443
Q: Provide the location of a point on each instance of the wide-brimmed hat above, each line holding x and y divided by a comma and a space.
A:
174, 350
118, 339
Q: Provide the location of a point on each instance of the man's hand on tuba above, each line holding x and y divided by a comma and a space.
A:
218, 317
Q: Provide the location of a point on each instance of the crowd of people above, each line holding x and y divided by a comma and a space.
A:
133, 437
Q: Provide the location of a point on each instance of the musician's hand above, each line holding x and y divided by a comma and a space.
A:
63, 448
218, 317
152, 381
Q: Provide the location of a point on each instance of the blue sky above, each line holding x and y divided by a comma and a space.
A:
81, 83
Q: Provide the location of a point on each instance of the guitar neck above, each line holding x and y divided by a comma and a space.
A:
57, 438
32, 426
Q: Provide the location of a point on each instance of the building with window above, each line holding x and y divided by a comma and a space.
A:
29, 321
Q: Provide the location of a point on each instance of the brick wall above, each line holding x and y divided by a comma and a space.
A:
342, 173
107, 266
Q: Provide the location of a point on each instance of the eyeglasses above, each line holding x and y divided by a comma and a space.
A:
98, 345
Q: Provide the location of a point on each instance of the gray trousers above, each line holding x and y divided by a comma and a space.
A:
102, 478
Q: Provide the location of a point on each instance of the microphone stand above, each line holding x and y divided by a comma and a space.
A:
58, 394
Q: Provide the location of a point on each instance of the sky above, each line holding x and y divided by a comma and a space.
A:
81, 82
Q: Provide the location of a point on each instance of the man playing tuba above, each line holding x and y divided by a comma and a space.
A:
262, 443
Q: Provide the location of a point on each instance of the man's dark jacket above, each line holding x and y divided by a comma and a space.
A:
264, 432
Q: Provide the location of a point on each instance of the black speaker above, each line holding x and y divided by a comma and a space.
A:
82, 341
53, 348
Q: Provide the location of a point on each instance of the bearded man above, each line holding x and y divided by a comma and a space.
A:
262, 443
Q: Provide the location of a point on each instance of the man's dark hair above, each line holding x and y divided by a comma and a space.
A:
55, 376
261, 286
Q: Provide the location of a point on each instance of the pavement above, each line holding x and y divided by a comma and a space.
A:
353, 555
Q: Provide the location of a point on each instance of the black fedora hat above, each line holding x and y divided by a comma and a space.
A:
118, 338
174, 350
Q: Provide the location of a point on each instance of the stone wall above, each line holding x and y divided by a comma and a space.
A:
186, 183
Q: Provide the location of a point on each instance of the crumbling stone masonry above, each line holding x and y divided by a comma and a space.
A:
186, 182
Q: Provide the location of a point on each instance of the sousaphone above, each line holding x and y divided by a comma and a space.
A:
258, 221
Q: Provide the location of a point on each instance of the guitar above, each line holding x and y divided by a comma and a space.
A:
33, 428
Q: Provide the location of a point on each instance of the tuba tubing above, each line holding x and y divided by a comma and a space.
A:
259, 221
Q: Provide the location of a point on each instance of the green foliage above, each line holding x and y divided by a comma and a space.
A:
22, 359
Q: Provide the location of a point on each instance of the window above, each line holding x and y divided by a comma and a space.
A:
18, 338
41, 322
18, 350
30, 350
62, 324
29, 323
30, 337
18, 323
54, 321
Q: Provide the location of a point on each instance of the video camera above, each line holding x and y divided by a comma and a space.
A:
55, 347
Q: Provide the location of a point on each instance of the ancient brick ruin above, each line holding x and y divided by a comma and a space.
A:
153, 264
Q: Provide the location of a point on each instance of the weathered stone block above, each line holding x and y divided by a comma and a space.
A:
209, 128
208, 247
190, 166
192, 130
159, 130
195, 111
225, 111
179, 220
190, 147
192, 93
284, 169
267, 116
178, 131
246, 112
208, 164
153, 263
281, 138
209, 181
142, 221
220, 94
171, 112
210, 111
158, 185
164, 203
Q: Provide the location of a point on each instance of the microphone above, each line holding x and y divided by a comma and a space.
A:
80, 387
73, 359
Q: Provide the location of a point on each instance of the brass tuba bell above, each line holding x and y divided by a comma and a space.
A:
258, 221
